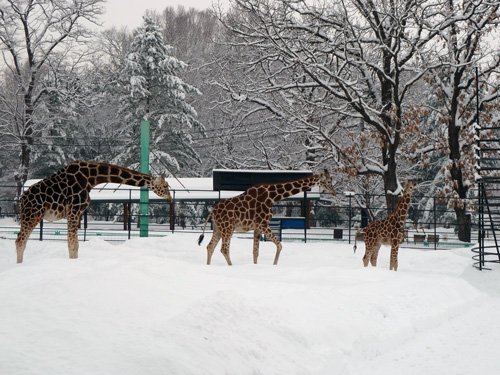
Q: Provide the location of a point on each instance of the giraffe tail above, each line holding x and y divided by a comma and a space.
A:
202, 236
356, 239
200, 239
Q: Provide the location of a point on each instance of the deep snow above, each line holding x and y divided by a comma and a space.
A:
152, 306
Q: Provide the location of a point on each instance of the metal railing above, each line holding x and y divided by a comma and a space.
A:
327, 218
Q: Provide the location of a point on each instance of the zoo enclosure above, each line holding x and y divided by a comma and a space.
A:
320, 217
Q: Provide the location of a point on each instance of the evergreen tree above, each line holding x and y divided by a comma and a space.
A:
156, 93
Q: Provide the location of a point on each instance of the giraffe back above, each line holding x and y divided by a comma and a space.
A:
245, 211
51, 196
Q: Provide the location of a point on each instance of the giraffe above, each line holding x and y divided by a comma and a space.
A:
66, 194
252, 210
389, 231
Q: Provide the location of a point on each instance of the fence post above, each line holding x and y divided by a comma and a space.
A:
349, 194
172, 213
41, 230
129, 218
435, 224
85, 221
306, 218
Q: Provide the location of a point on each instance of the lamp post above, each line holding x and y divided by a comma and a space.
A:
349, 194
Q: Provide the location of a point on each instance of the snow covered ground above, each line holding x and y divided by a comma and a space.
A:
152, 306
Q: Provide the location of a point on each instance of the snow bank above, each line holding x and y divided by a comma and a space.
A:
151, 306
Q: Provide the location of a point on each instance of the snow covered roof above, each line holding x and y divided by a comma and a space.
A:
242, 179
196, 189
295, 171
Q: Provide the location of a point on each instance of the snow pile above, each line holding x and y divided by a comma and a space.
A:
151, 306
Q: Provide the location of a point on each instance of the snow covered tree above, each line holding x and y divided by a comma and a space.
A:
79, 118
353, 64
193, 34
102, 125
31, 32
465, 45
158, 94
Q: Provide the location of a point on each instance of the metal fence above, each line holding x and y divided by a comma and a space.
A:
430, 225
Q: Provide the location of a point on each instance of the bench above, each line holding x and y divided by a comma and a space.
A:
419, 238
433, 238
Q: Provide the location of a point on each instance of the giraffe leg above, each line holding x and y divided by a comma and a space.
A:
73, 221
256, 239
212, 244
226, 242
369, 247
394, 256
374, 256
269, 234
367, 256
22, 237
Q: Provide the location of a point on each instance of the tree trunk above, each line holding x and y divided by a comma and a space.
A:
390, 115
390, 185
390, 176
364, 217
463, 220
126, 214
463, 224
22, 173
26, 142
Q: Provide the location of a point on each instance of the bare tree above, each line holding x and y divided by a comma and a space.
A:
31, 32
190, 31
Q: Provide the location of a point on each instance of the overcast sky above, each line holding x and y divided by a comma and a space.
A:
129, 12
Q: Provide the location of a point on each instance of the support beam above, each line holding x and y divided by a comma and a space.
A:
144, 198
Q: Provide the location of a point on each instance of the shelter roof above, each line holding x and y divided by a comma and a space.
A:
196, 189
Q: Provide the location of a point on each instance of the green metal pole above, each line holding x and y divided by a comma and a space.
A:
144, 198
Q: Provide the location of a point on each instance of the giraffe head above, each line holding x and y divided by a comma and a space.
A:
409, 185
160, 187
325, 181
404, 201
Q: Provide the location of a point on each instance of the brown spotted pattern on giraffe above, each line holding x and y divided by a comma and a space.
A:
388, 231
252, 210
66, 193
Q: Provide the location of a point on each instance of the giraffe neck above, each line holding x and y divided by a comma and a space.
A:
98, 173
284, 190
401, 210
